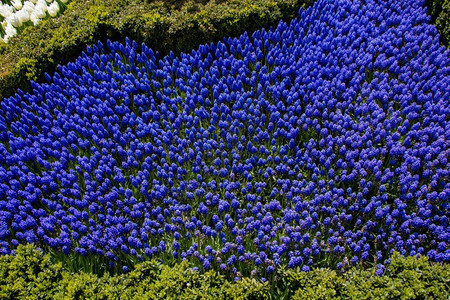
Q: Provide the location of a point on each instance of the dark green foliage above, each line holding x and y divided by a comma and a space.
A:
30, 274
439, 10
163, 25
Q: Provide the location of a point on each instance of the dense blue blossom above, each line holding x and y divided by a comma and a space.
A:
325, 137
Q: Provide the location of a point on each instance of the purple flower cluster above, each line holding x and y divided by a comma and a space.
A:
322, 141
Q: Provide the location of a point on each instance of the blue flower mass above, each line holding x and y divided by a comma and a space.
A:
322, 142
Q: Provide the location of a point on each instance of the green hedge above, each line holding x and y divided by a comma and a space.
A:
439, 10
30, 274
163, 25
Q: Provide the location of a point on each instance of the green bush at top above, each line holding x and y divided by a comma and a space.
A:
439, 10
31, 275
163, 25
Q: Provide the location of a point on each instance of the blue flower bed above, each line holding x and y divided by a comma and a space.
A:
323, 142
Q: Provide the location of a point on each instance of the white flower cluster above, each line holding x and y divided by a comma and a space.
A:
15, 13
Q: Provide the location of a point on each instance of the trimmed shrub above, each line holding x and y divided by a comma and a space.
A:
404, 278
163, 25
31, 274
28, 273
439, 10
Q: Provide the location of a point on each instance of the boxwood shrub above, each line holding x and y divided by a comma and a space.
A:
439, 10
31, 274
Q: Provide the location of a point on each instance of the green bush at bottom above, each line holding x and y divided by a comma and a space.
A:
32, 275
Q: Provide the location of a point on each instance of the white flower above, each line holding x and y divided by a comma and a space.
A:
6, 11
41, 12
42, 3
13, 20
17, 4
41, 9
23, 16
34, 18
33, 1
53, 9
10, 32
28, 6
